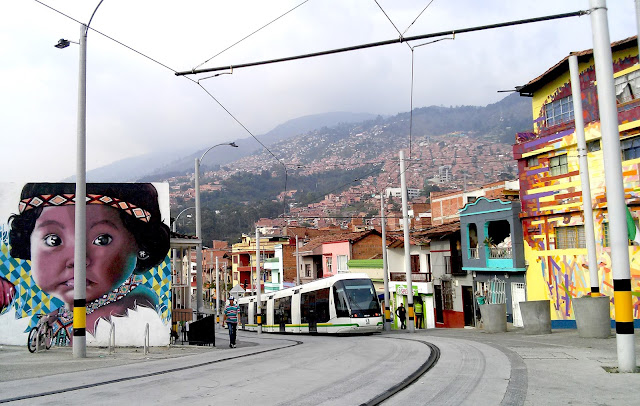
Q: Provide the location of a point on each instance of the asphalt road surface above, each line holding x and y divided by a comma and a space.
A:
434, 367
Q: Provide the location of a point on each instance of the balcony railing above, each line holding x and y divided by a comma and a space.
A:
415, 277
500, 253
474, 253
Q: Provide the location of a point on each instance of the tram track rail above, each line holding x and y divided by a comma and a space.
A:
150, 374
431, 361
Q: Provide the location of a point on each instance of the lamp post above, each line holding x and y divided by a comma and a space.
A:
175, 250
199, 300
175, 221
80, 244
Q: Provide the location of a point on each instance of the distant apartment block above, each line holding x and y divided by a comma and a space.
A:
412, 193
444, 174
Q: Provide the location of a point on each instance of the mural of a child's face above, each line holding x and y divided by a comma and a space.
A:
111, 251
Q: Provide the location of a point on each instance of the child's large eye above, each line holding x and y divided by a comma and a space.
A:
52, 240
103, 239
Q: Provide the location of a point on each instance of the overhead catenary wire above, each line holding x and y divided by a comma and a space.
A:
190, 79
416, 19
389, 42
402, 39
254, 32
108, 37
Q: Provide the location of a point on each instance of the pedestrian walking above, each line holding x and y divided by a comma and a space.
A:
402, 315
231, 319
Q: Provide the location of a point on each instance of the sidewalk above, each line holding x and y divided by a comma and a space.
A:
559, 368
18, 363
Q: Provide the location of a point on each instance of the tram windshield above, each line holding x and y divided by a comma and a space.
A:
356, 298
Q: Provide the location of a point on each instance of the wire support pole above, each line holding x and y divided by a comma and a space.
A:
80, 211
616, 205
587, 205
258, 283
389, 42
407, 245
385, 268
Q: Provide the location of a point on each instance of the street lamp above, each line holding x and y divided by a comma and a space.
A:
175, 221
80, 254
199, 300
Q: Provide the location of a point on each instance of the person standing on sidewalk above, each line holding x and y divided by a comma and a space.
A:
419, 313
402, 315
231, 318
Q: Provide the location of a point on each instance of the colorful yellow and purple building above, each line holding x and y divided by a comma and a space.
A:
550, 187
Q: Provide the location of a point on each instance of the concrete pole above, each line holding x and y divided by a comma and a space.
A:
174, 254
225, 283
385, 270
199, 300
616, 205
218, 290
80, 243
258, 279
407, 244
638, 22
297, 263
187, 287
587, 205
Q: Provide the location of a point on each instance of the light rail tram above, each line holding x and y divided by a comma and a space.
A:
340, 304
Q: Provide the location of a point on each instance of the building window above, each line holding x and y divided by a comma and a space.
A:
558, 111
472, 235
593, 146
627, 87
570, 237
532, 161
342, 264
415, 263
447, 295
558, 165
307, 270
329, 263
630, 148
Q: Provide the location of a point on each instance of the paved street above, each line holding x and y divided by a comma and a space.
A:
473, 367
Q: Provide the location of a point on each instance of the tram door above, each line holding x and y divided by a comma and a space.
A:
308, 311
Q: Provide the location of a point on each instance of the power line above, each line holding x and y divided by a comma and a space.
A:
388, 18
389, 42
106, 36
190, 79
416, 19
259, 29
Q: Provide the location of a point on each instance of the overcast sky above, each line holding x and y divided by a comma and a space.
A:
135, 105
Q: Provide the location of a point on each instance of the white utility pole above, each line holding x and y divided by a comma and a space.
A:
80, 253
297, 263
385, 268
407, 244
258, 279
587, 206
616, 205
199, 300
218, 291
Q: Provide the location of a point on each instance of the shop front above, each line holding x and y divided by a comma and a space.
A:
422, 300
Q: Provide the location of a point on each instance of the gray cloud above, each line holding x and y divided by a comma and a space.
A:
135, 106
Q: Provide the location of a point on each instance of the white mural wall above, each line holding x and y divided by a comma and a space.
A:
128, 266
